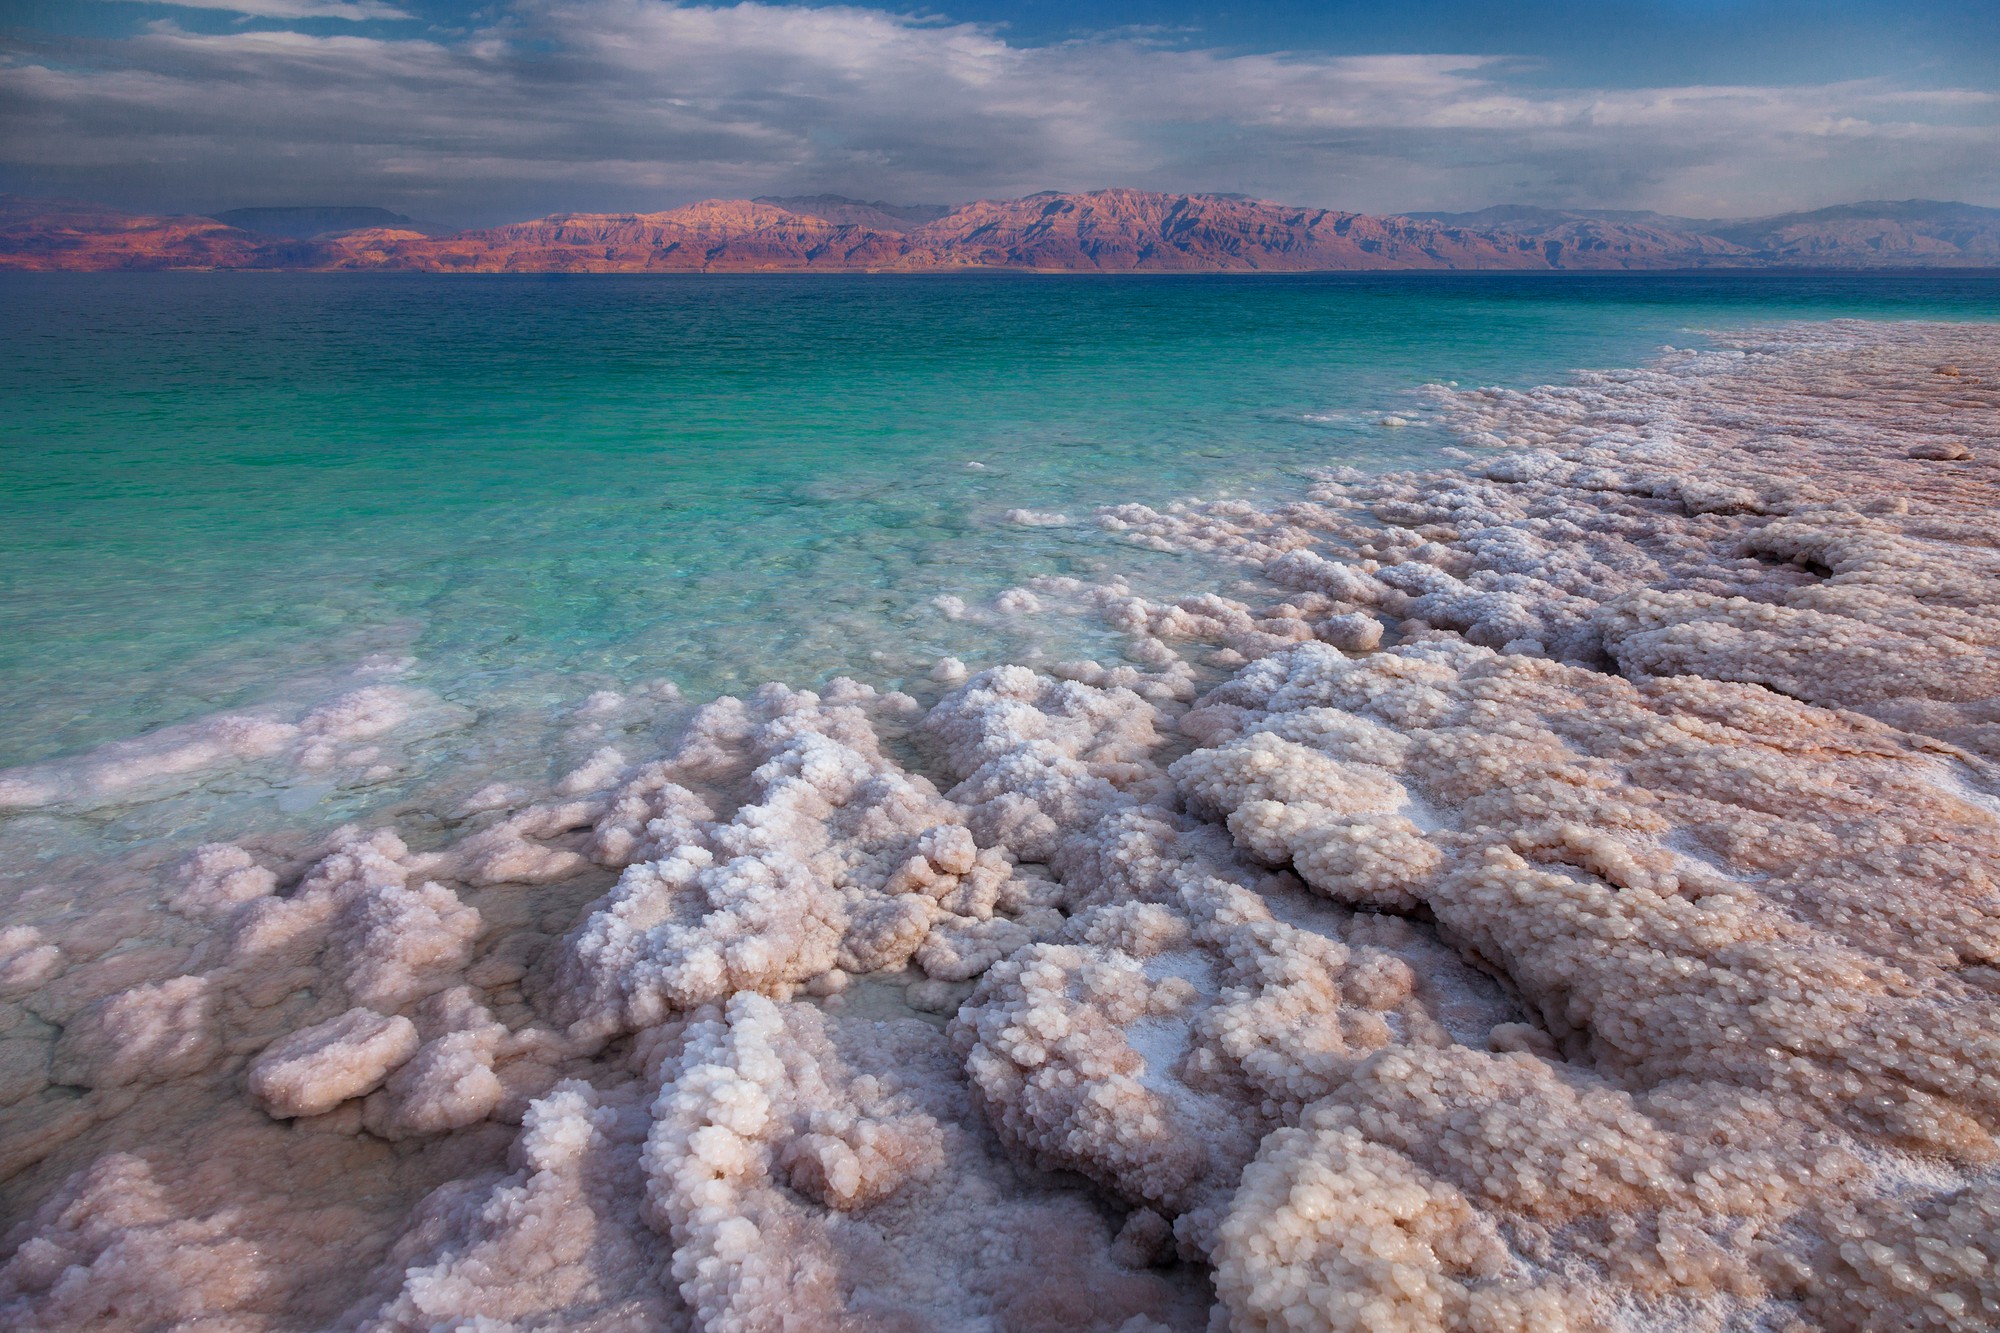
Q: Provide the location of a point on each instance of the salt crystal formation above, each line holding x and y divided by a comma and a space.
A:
1568, 900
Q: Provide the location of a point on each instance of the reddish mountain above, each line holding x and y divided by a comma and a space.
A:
1104, 231
73, 237
1111, 231
731, 234
1132, 230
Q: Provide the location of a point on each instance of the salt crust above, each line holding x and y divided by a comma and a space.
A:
1617, 947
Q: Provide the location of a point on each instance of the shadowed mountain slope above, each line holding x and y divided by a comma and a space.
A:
1909, 232
875, 214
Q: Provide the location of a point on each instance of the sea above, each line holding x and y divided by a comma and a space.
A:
229, 491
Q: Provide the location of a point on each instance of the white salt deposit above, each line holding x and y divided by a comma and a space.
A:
1571, 904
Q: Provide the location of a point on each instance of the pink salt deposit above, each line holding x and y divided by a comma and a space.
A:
1564, 894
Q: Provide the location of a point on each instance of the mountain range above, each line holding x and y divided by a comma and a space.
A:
1100, 231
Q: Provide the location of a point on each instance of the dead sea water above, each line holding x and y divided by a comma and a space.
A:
212, 484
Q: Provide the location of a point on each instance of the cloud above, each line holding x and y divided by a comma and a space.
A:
640, 104
355, 11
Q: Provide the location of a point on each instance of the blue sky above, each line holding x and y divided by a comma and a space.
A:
482, 112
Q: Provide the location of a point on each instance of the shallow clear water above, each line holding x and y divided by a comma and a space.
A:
212, 483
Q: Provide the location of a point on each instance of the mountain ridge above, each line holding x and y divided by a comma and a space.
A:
1100, 231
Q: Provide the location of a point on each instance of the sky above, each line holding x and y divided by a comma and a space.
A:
475, 113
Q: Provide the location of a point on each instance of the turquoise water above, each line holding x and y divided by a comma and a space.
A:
212, 483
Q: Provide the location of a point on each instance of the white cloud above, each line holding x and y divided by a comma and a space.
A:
641, 103
355, 11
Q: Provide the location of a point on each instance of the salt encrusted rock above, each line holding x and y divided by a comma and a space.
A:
1801, 652
395, 943
1712, 948
1333, 1232
949, 848
512, 851
1064, 1083
1335, 823
1210, 618
449, 1084
1038, 754
1152, 1047
1379, 861
718, 1133
1661, 479
806, 1170
559, 1238
149, 1034
961, 950
1892, 1265
26, 961
1556, 1142
219, 877
647, 817
1267, 767
1716, 774
1353, 632
388, 943
111, 1250
450, 1081
315, 1069
834, 857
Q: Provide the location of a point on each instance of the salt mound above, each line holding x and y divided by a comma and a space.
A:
317, 1068
1571, 903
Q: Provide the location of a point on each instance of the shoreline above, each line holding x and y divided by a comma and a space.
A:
970, 270
1523, 933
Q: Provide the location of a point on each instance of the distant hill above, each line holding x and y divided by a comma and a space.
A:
1880, 233
1528, 220
1603, 239
1904, 232
1102, 231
